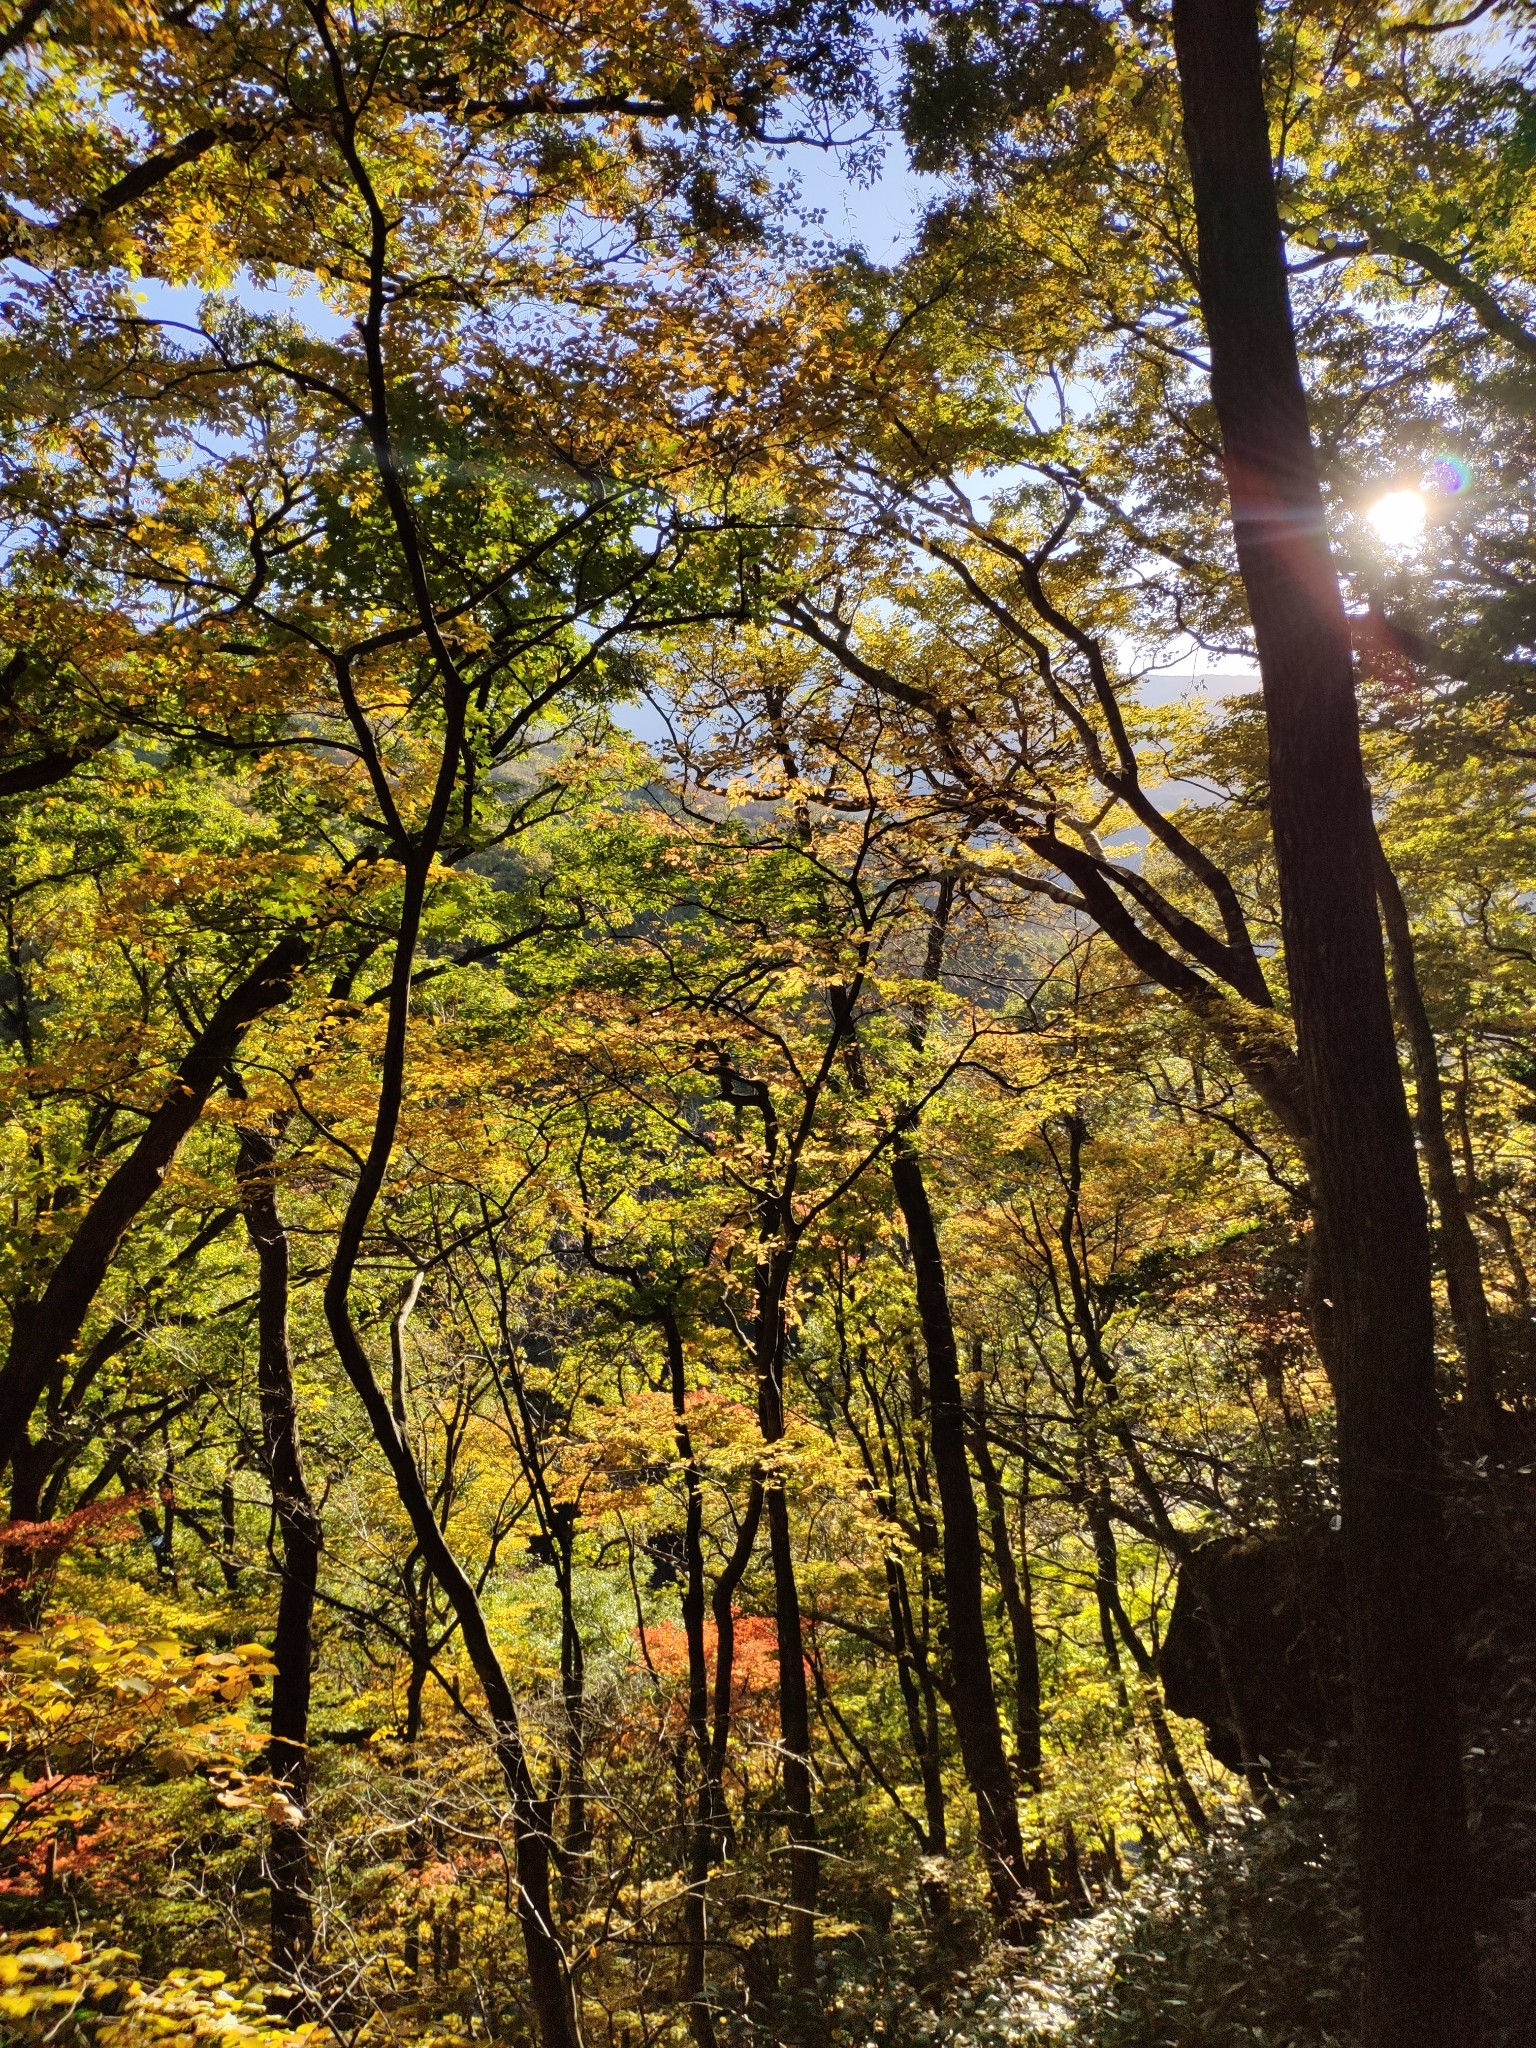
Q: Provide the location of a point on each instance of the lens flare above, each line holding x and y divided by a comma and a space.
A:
1400, 518
1447, 475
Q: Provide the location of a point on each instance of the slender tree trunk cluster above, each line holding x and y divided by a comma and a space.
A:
973, 1699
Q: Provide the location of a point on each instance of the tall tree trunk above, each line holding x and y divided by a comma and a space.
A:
1458, 1245
697, 1857
288, 1860
919, 1639
417, 1582
1419, 1978
573, 1692
921, 1703
712, 1834
771, 1343
1018, 1602
548, 1970
973, 1703
722, 1606
418, 1593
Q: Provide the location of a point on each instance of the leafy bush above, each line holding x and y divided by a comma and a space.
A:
1248, 1942
85, 1705
76, 1993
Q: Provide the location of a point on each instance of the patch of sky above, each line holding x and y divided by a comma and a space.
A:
853, 200
300, 300
875, 207
1184, 676
852, 184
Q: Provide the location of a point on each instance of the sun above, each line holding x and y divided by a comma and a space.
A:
1400, 518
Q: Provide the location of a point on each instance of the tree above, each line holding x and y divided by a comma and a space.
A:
44, 1331
291, 1877
1419, 1980
867, 1115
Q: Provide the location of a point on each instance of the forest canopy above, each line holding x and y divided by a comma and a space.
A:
766, 1024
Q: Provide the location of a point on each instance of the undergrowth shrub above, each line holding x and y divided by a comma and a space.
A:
1248, 1942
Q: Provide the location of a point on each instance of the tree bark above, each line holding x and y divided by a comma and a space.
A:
548, 1970
697, 1859
770, 1342
712, 1834
1418, 1967
577, 1846
1018, 1602
921, 1704
1459, 1256
973, 1703
722, 1606
45, 1331
290, 1875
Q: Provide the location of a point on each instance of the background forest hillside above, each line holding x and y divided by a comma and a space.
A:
669, 1372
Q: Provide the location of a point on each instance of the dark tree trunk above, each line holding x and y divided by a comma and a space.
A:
288, 1860
1419, 1980
45, 1331
1459, 1256
920, 1699
722, 1606
973, 1703
697, 1858
227, 1559
771, 1342
577, 1845
1018, 1601
417, 1582
418, 1594
919, 1639
711, 1838
548, 1970
29, 1472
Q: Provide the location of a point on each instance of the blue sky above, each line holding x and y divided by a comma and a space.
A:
880, 215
